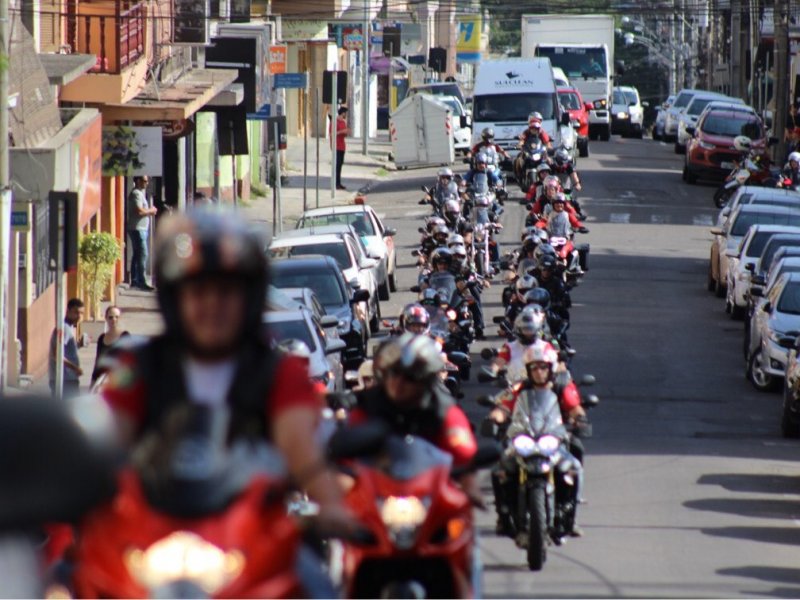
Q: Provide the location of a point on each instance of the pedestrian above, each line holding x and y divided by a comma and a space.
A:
342, 131
792, 132
138, 225
113, 332
72, 362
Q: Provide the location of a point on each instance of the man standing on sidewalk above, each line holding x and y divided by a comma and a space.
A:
139, 212
72, 362
342, 131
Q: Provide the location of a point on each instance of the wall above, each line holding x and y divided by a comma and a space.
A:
36, 324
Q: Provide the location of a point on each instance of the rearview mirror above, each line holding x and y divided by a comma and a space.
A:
590, 401
748, 267
787, 342
767, 308
645, 104
485, 401
486, 375
390, 232
497, 319
690, 130
360, 296
588, 106
354, 283
734, 254
565, 120
588, 380
415, 288
717, 231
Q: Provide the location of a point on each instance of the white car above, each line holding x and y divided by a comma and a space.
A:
356, 267
742, 262
691, 115
627, 112
462, 130
754, 194
378, 239
673, 112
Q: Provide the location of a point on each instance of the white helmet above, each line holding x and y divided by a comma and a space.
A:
541, 352
455, 239
742, 143
794, 156
446, 172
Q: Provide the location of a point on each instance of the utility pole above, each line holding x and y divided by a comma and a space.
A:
5, 186
736, 52
367, 33
781, 93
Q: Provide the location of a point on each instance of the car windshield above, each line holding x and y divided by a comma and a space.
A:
618, 97
576, 62
292, 330
514, 107
683, 99
745, 220
757, 243
697, 106
359, 221
569, 100
323, 281
454, 106
717, 123
337, 251
789, 302
772, 247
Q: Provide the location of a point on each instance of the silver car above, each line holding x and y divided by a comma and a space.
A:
754, 194
776, 316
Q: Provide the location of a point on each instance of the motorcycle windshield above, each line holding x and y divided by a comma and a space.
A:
444, 284
537, 412
480, 184
439, 322
404, 458
558, 225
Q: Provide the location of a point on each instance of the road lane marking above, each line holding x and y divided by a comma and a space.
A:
704, 220
619, 217
416, 213
659, 219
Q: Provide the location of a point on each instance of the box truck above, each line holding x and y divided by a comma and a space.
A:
583, 47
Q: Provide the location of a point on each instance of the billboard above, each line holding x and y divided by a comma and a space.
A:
468, 47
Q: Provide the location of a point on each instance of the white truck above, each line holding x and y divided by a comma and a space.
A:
583, 47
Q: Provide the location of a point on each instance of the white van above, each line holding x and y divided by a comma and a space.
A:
506, 92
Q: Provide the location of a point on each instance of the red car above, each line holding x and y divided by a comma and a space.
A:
573, 103
710, 153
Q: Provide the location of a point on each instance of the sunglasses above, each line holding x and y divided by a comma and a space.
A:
540, 367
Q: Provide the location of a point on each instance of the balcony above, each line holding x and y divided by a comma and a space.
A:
116, 33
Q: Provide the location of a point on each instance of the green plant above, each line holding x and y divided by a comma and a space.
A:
98, 252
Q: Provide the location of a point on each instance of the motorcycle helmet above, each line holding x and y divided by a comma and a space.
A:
535, 120
794, 156
562, 157
434, 222
445, 172
560, 198
481, 159
538, 296
441, 233
459, 255
552, 181
525, 284
452, 211
543, 249
487, 135
413, 357
528, 245
540, 353
540, 236
529, 325
203, 243
742, 143
543, 170
415, 319
441, 256
366, 374
547, 262
454, 240
528, 231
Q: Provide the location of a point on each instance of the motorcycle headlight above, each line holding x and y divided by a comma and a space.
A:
548, 444
402, 516
537, 156
184, 556
775, 336
524, 445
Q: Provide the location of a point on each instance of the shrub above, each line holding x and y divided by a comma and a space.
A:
98, 252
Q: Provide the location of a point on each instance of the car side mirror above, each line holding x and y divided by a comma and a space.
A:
734, 254
726, 211
368, 263
354, 283
690, 130
328, 321
464, 121
390, 232
360, 296
787, 342
576, 124
748, 267
497, 319
645, 104
335, 345
565, 120
717, 231
767, 308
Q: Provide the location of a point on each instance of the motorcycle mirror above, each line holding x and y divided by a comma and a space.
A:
362, 440
787, 342
485, 375
415, 252
421, 230
485, 401
488, 353
588, 380
424, 189
590, 401
497, 319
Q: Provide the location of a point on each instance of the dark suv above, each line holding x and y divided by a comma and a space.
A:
322, 274
710, 152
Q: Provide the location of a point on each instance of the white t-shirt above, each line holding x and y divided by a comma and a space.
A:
209, 383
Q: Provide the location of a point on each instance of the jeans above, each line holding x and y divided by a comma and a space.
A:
339, 163
139, 256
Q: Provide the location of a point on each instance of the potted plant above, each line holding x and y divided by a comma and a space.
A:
98, 252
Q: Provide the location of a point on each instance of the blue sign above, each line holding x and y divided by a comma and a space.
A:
19, 218
289, 80
262, 114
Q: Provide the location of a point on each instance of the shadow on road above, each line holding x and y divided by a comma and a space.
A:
771, 535
769, 574
753, 482
758, 508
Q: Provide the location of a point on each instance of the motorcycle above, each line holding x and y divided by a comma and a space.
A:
528, 158
421, 520
485, 248
194, 516
749, 170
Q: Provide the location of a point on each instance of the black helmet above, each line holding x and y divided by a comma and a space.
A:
528, 244
415, 314
415, 357
442, 255
487, 134
206, 243
562, 157
547, 262
538, 296
530, 323
543, 249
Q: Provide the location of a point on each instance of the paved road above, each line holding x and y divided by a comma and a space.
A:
692, 493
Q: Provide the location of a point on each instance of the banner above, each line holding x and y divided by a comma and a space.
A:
468, 47
277, 59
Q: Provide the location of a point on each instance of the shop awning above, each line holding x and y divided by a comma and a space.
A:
175, 101
61, 69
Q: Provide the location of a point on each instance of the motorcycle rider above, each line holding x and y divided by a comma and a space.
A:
543, 171
534, 133
488, 146
452, 216
541, 365
565, 170
482, 166
411, 399
466, 281
414, 319
212, 280
444, 189
792, 170
556, 220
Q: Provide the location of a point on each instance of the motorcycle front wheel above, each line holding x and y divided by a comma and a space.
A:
537, 527
721, 197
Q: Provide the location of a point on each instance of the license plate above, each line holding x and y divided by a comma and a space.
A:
726, 165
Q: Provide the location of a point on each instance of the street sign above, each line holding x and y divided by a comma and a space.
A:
277, 59
262, 114
353, 37
20, 220
290, 80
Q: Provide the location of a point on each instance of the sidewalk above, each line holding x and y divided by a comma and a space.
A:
140, 315
359, 174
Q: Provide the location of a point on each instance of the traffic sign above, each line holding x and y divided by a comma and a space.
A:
290, 80
262, 114
19, 220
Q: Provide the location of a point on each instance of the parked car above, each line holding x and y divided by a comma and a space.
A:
357, 268
560, 77
743, 262
753, 194
776, 317
682, 100
303, 296
323, 275
790, 412
445, 88
728, 237
462, 123
325, 365
661, 118
710, 152
690, 116
627, 112
572, 101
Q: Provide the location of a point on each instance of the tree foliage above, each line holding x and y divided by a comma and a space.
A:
98, 253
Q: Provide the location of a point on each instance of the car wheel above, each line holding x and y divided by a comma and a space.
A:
639, 132
688, 176
737, 312
393, 277
656, 135
790, 419
375, 322
583, 149
761, 380
605, 135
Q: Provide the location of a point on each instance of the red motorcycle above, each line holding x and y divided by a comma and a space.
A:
421, 520
195, 517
